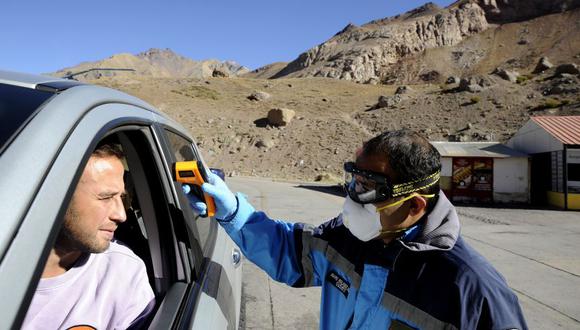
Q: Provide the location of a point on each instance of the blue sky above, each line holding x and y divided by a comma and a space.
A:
44, 36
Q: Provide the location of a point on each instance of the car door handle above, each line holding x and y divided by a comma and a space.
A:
236, 257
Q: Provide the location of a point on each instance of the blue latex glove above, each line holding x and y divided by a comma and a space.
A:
225, 202
196, 204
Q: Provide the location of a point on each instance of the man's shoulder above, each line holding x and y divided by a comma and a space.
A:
471, 267
460, 264
119, 252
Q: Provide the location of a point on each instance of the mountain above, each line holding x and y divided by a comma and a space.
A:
161, 63
474, 71
267, 71
373, 53
504, 11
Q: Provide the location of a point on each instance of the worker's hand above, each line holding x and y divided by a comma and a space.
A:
196, 204
225, 201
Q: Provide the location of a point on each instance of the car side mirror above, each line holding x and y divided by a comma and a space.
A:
219, 172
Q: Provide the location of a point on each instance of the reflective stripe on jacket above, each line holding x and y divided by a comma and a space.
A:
428, 279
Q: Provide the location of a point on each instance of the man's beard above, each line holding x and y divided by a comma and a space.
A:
73, 238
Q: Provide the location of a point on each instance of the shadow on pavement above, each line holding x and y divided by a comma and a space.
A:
336, 190
514, 206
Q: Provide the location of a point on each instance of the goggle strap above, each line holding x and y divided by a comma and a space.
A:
404, 200
409, 187
393, 231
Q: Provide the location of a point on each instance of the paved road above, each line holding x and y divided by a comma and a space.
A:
537, 251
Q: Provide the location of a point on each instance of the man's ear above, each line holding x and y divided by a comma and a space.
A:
418, 204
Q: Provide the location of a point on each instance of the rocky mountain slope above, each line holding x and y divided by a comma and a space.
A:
475, 71
372, 53
267, 71
504, 11
156, 63
228, 116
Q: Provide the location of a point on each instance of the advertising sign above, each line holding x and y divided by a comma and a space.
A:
461, 173
573, 158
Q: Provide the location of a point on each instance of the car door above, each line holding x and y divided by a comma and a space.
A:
24, 261
216, 304
48, 157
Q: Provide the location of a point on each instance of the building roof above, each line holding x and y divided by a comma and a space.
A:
565, 129
476, 149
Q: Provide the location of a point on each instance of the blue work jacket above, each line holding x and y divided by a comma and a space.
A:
430, 278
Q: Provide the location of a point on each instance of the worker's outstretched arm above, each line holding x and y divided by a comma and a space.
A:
275, 246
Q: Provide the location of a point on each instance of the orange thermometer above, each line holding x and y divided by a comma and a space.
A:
193, 172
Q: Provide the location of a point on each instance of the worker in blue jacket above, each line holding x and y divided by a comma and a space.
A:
393, 258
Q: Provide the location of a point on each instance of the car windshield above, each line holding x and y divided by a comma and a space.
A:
17, 106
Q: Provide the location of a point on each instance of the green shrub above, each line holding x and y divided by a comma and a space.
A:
522, 79
551, 103
198, 92
475, 99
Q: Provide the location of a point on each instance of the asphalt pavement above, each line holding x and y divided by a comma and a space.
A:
537, 251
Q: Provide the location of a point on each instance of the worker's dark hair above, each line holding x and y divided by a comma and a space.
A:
410, 156
108, 147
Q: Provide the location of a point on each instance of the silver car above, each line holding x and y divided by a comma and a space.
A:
48, 127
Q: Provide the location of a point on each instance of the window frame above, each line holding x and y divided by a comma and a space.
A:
191, 218
98, 123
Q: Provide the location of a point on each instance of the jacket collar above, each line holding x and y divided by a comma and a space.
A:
439, 230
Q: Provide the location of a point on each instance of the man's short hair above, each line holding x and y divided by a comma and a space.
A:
108, 147
410, 156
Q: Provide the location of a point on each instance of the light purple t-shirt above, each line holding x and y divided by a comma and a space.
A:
107, 290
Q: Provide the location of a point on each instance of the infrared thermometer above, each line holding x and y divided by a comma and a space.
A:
193, 172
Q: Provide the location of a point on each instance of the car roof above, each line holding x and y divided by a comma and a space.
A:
48, 127
59, 85
34, 81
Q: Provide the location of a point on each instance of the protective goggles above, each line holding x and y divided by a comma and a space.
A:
366, 187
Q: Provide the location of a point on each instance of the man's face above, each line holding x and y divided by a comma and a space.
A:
96, 207
392, 218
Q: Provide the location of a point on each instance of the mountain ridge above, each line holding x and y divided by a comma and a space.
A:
154, 62
370, 53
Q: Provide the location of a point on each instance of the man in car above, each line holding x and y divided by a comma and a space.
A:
88, 279
393, 258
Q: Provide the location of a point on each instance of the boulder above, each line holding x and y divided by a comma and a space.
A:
265, 143
452, 80
564, 83
217, 73
280, 116
469, 86
259, 96
430, 76
543, 65
511, 76
328, 178
389, 101
460, 137
475, 83
570, 68
403, 90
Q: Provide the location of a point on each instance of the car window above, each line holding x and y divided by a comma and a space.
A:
17, 106
183, 150
153, 230
156, 226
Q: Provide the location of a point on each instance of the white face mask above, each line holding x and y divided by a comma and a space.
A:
364, 220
